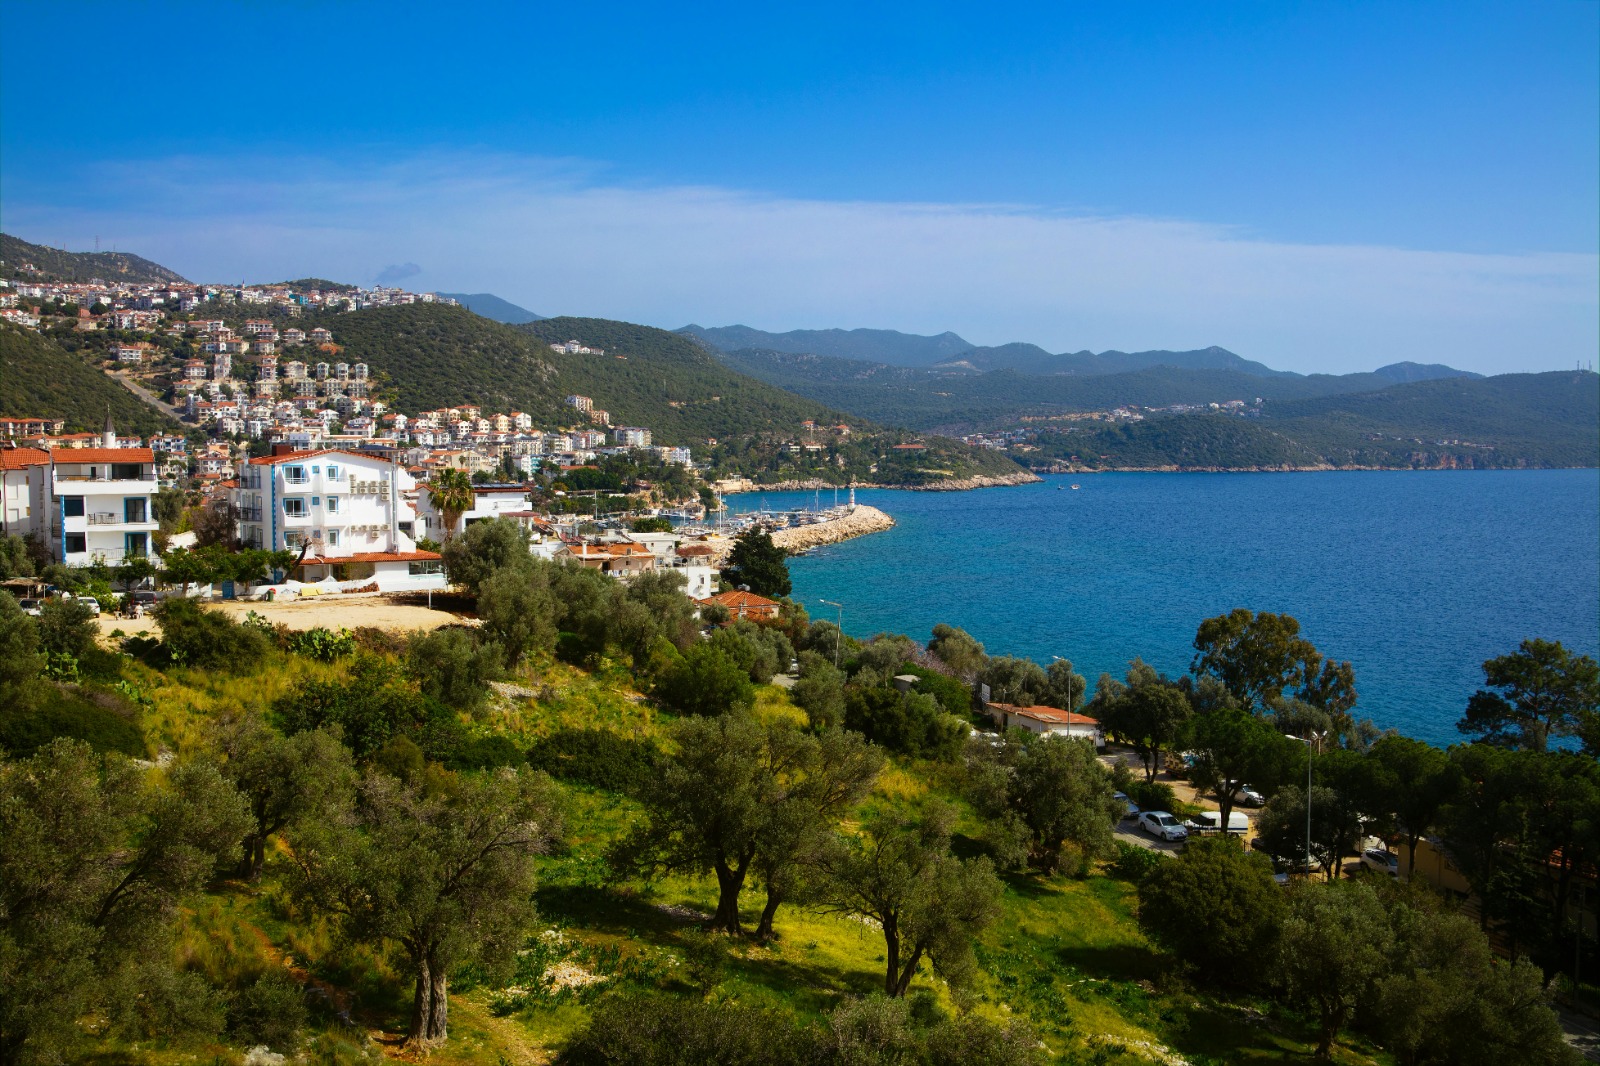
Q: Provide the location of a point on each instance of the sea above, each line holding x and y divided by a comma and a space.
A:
1415, 578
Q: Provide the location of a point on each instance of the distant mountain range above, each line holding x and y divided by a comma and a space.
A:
489, 305
54, 264
949, 353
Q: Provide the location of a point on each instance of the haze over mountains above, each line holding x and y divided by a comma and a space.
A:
950, 353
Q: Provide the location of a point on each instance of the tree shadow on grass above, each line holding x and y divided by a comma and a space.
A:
609, 910
1116, 962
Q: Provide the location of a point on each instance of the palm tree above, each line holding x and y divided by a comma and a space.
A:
452, 495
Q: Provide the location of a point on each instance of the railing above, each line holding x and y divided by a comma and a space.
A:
104, 518
249, 514
287, 480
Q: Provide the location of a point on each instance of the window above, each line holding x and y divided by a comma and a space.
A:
332, 537
294, 475
134, 509
126, 471
406, 527
333, 505
136, 544
316, 501
295, 506
72, 506
333, 472
75, 542
426, 566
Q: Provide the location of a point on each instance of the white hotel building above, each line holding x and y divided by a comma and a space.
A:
346, 511
103, 502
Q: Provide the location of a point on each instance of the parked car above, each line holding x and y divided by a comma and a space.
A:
1132, 808
91, 603
1245, 796
1163, 825
30, 606
1385, 862
1211, 822
145, 598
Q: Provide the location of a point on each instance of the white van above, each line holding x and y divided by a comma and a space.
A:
1211, 822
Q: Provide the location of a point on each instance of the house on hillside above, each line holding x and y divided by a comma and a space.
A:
1046, 721
618, 560
745, 605
24, 491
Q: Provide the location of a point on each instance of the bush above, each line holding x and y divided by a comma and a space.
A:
483, 753
1133, 863
706, 682
454, 667
952, 693
658, 1030
1216, 908
66, 627
372, 706
24, 728
1152, 795
907, 722
271, 1011
323, 645
596, 757
192, 635
482, 549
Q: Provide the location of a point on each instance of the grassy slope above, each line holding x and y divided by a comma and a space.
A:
1067, 955
39, 378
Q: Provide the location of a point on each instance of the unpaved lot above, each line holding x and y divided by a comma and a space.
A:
342, 612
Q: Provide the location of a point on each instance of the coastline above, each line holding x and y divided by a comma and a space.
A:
861, 522
964, 484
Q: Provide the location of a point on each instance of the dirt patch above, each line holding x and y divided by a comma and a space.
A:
344, 612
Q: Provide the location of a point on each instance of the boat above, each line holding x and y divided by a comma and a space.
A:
1074, 488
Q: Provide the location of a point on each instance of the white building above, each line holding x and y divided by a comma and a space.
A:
24, 491
1047, 721
345, 512
631, 436
103, 502
488, 502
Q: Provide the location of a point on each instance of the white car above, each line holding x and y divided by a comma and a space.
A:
1130, 808
1163, 825
91, 603
1245, 796
1385, 862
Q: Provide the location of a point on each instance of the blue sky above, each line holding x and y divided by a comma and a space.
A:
1316, 186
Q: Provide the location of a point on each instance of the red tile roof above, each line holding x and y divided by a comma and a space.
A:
21, 458
105, 455
374, 557
1054, 715
739, 600
291, 457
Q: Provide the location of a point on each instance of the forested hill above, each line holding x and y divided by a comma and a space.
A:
39, 378
54, 264
1507, 422
433, 355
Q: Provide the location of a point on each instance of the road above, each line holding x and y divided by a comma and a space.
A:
149, 397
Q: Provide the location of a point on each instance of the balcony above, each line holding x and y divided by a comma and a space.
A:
249, 514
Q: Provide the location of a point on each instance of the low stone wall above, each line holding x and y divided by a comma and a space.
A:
858, 523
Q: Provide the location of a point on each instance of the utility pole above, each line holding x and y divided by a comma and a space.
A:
838, 637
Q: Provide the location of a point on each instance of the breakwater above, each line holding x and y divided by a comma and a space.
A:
858, 523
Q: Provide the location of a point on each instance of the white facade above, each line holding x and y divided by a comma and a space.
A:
346, 511
103, 507
488, 502
24, 492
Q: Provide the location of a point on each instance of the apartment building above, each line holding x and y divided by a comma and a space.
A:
344, 511
103, 501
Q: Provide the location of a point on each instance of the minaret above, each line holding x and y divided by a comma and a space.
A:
108, 439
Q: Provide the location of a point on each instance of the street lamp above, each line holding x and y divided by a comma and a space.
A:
839, 636
1307, 742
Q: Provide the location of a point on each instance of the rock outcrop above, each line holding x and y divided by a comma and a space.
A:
858, 523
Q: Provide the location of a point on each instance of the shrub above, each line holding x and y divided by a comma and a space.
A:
66, 627
657, 1030
270, 1011
24, 729
1133, 863
1216, 908
953, 694
596, 757
483, 753
454, 667
193, 635
706, 682
1152, 795
323, 645
372, 706
906, 722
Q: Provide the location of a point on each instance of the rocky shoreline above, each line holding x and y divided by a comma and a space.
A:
964, 484
858, 523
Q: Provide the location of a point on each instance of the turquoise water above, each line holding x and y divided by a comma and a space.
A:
1415, 578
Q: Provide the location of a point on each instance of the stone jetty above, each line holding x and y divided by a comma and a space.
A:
857, 523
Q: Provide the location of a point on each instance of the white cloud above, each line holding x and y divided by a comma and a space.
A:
554, 237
